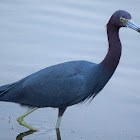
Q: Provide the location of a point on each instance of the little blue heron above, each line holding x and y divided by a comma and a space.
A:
69, 83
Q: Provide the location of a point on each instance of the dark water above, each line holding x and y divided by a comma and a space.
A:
36, 34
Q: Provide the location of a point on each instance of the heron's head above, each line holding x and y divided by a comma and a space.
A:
122, 18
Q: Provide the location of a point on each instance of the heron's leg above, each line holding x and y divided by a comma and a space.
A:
60, 114
21, 121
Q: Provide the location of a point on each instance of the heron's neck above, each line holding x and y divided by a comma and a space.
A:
114, 52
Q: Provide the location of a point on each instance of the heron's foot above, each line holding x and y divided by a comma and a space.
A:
21, 122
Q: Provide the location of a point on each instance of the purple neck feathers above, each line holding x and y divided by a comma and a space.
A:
112, 58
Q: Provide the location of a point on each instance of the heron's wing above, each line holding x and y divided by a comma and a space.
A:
51, 91
54, 86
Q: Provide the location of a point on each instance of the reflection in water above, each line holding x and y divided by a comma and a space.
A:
58, 134
22, 135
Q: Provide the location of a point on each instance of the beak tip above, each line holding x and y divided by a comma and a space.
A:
132, 25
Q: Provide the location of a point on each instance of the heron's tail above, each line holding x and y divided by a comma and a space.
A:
5, 88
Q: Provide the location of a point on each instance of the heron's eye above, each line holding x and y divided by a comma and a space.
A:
122, 20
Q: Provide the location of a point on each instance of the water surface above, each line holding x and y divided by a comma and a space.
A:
36, 34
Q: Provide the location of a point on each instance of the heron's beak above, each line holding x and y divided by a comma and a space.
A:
132, 25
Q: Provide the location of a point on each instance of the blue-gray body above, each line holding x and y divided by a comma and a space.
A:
58, 86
